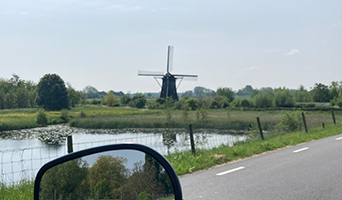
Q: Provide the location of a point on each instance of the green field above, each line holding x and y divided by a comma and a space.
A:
126, 117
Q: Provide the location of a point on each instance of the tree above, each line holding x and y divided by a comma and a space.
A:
73, 95
201, 92
283, 98
91, 92
67, 179
302, 95
138, 101
110, 168
320, 93
52, 93
125, 99
110, 99
226, 92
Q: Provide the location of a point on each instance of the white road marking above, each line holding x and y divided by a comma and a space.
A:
230, 171
299, 150
340, 138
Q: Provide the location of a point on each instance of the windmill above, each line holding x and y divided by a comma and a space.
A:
168, 86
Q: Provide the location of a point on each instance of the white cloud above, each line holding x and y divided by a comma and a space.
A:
24, 13
293, 52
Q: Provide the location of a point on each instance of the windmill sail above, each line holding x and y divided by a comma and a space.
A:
168, 86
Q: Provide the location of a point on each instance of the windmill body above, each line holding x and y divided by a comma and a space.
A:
168, 86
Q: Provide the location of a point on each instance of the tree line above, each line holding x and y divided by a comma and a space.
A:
51, 93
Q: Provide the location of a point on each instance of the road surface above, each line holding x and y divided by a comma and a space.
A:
307, 171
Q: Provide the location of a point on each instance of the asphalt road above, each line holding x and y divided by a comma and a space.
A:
307, 171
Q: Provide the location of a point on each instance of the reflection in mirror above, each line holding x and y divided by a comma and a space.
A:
117, 174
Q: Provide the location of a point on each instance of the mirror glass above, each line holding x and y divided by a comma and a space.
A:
116, 174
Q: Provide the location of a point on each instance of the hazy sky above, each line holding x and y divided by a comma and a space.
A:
263, 43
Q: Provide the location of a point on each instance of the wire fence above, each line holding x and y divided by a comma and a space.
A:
23, 163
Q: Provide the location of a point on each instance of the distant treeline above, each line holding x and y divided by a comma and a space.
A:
18, 93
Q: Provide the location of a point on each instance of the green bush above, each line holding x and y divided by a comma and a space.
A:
42, 118
65, 117
290, 121
192, 103
144, 196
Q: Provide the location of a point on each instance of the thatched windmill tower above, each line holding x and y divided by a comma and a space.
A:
168, 86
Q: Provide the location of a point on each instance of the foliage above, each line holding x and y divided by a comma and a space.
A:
226, 92
17, 93
283, 98
65, 117
202, 114
67, 179
245, 103
144, 196
42, 118
110, 99
83, 114
138, 101
22, 190
125, 99
110, 168
52, 93
192, 103
203, 92
75, 97
290, 121
302, 95
245, 91
263, 100
320, 93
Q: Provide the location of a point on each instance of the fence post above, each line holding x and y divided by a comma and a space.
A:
260, 129
192, 140
69, 141
323, 125
333, 116
304, 122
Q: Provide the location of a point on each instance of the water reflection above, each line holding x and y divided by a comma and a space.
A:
107, 176
21, 158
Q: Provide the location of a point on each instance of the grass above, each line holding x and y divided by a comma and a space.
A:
19, 191
185, 162
126, 117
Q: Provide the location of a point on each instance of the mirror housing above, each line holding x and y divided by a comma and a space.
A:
101, 151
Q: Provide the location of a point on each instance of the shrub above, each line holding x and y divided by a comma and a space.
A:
290, 121
144, 196
192, 103
42, 118
139, 103
65, 117
83, 114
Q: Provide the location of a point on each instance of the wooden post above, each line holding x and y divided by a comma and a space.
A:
55, 194
192, 140
323, 125
333, 116
304, 122
69, 141
260, 129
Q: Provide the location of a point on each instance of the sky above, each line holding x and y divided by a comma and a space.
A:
227, 43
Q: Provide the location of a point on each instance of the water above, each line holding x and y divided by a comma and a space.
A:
23, 152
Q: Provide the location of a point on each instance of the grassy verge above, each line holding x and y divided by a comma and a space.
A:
184, 162
20, 191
